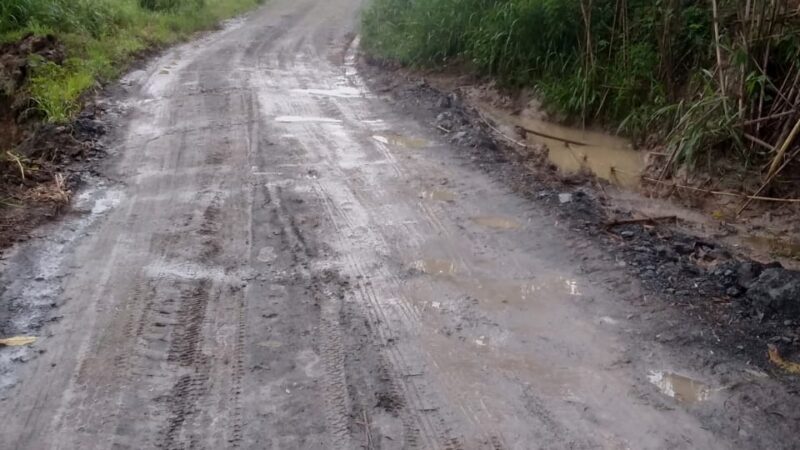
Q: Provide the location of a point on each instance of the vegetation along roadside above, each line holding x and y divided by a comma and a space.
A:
52, 52
717, 82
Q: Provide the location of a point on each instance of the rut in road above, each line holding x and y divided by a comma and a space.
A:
285, 261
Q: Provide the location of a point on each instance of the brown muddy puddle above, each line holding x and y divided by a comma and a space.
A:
681, 388
609, 157
398, 140
496, 222
441, 195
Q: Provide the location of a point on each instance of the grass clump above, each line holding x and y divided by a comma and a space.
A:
100, 38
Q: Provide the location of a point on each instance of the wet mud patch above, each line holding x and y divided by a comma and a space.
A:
36, 176
678, 268
398, 140
441, 195
697, 300
39, 176
435, 267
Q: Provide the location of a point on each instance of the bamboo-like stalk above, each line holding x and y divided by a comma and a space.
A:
718, 47
782, 151
767, 183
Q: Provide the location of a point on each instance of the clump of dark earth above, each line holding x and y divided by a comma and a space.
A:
776, 292
43, 154
15, 71
744, 304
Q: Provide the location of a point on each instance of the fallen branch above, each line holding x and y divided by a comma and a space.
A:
772, 117
549, 136
503, 135
729, 194
758, 141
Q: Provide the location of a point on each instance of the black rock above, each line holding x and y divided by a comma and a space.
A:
776, 291
683, 248
733, 291
747, 272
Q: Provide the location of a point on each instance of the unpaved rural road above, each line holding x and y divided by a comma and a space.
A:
284, 261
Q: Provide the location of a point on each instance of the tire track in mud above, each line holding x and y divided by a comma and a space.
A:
424, 422
327, 289
399, 306
420, 430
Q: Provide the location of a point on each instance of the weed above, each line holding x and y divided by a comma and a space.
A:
101, 36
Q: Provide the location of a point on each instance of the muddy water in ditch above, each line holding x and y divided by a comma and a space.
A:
611, 158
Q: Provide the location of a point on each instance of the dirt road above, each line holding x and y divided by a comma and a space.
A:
279, 259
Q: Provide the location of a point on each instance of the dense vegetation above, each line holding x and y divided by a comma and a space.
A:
651, 67
99, 37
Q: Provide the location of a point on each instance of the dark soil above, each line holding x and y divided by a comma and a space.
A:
735, 305
42, 163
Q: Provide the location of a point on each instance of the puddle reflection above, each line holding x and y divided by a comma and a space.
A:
679, 387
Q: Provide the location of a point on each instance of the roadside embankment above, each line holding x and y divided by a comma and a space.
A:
53, 54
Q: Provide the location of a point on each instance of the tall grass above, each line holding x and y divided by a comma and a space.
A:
643, 66
100, 37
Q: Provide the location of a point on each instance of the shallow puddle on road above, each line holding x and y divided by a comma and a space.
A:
496, 222
496, 293
400, 141
441, 267
679, 387
441, 195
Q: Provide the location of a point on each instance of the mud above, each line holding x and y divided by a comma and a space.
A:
684, 280
42, 155
573, 149
239, 281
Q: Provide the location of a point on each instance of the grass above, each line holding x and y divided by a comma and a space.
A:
649, 68
101, 38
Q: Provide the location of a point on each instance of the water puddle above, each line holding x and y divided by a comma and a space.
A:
306, 119
504, 292
681, 388
400, 141
775, 246
441, 195
498, 223
609, 157
440, 267
338, 92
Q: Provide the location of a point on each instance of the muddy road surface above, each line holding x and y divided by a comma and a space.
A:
277, 258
